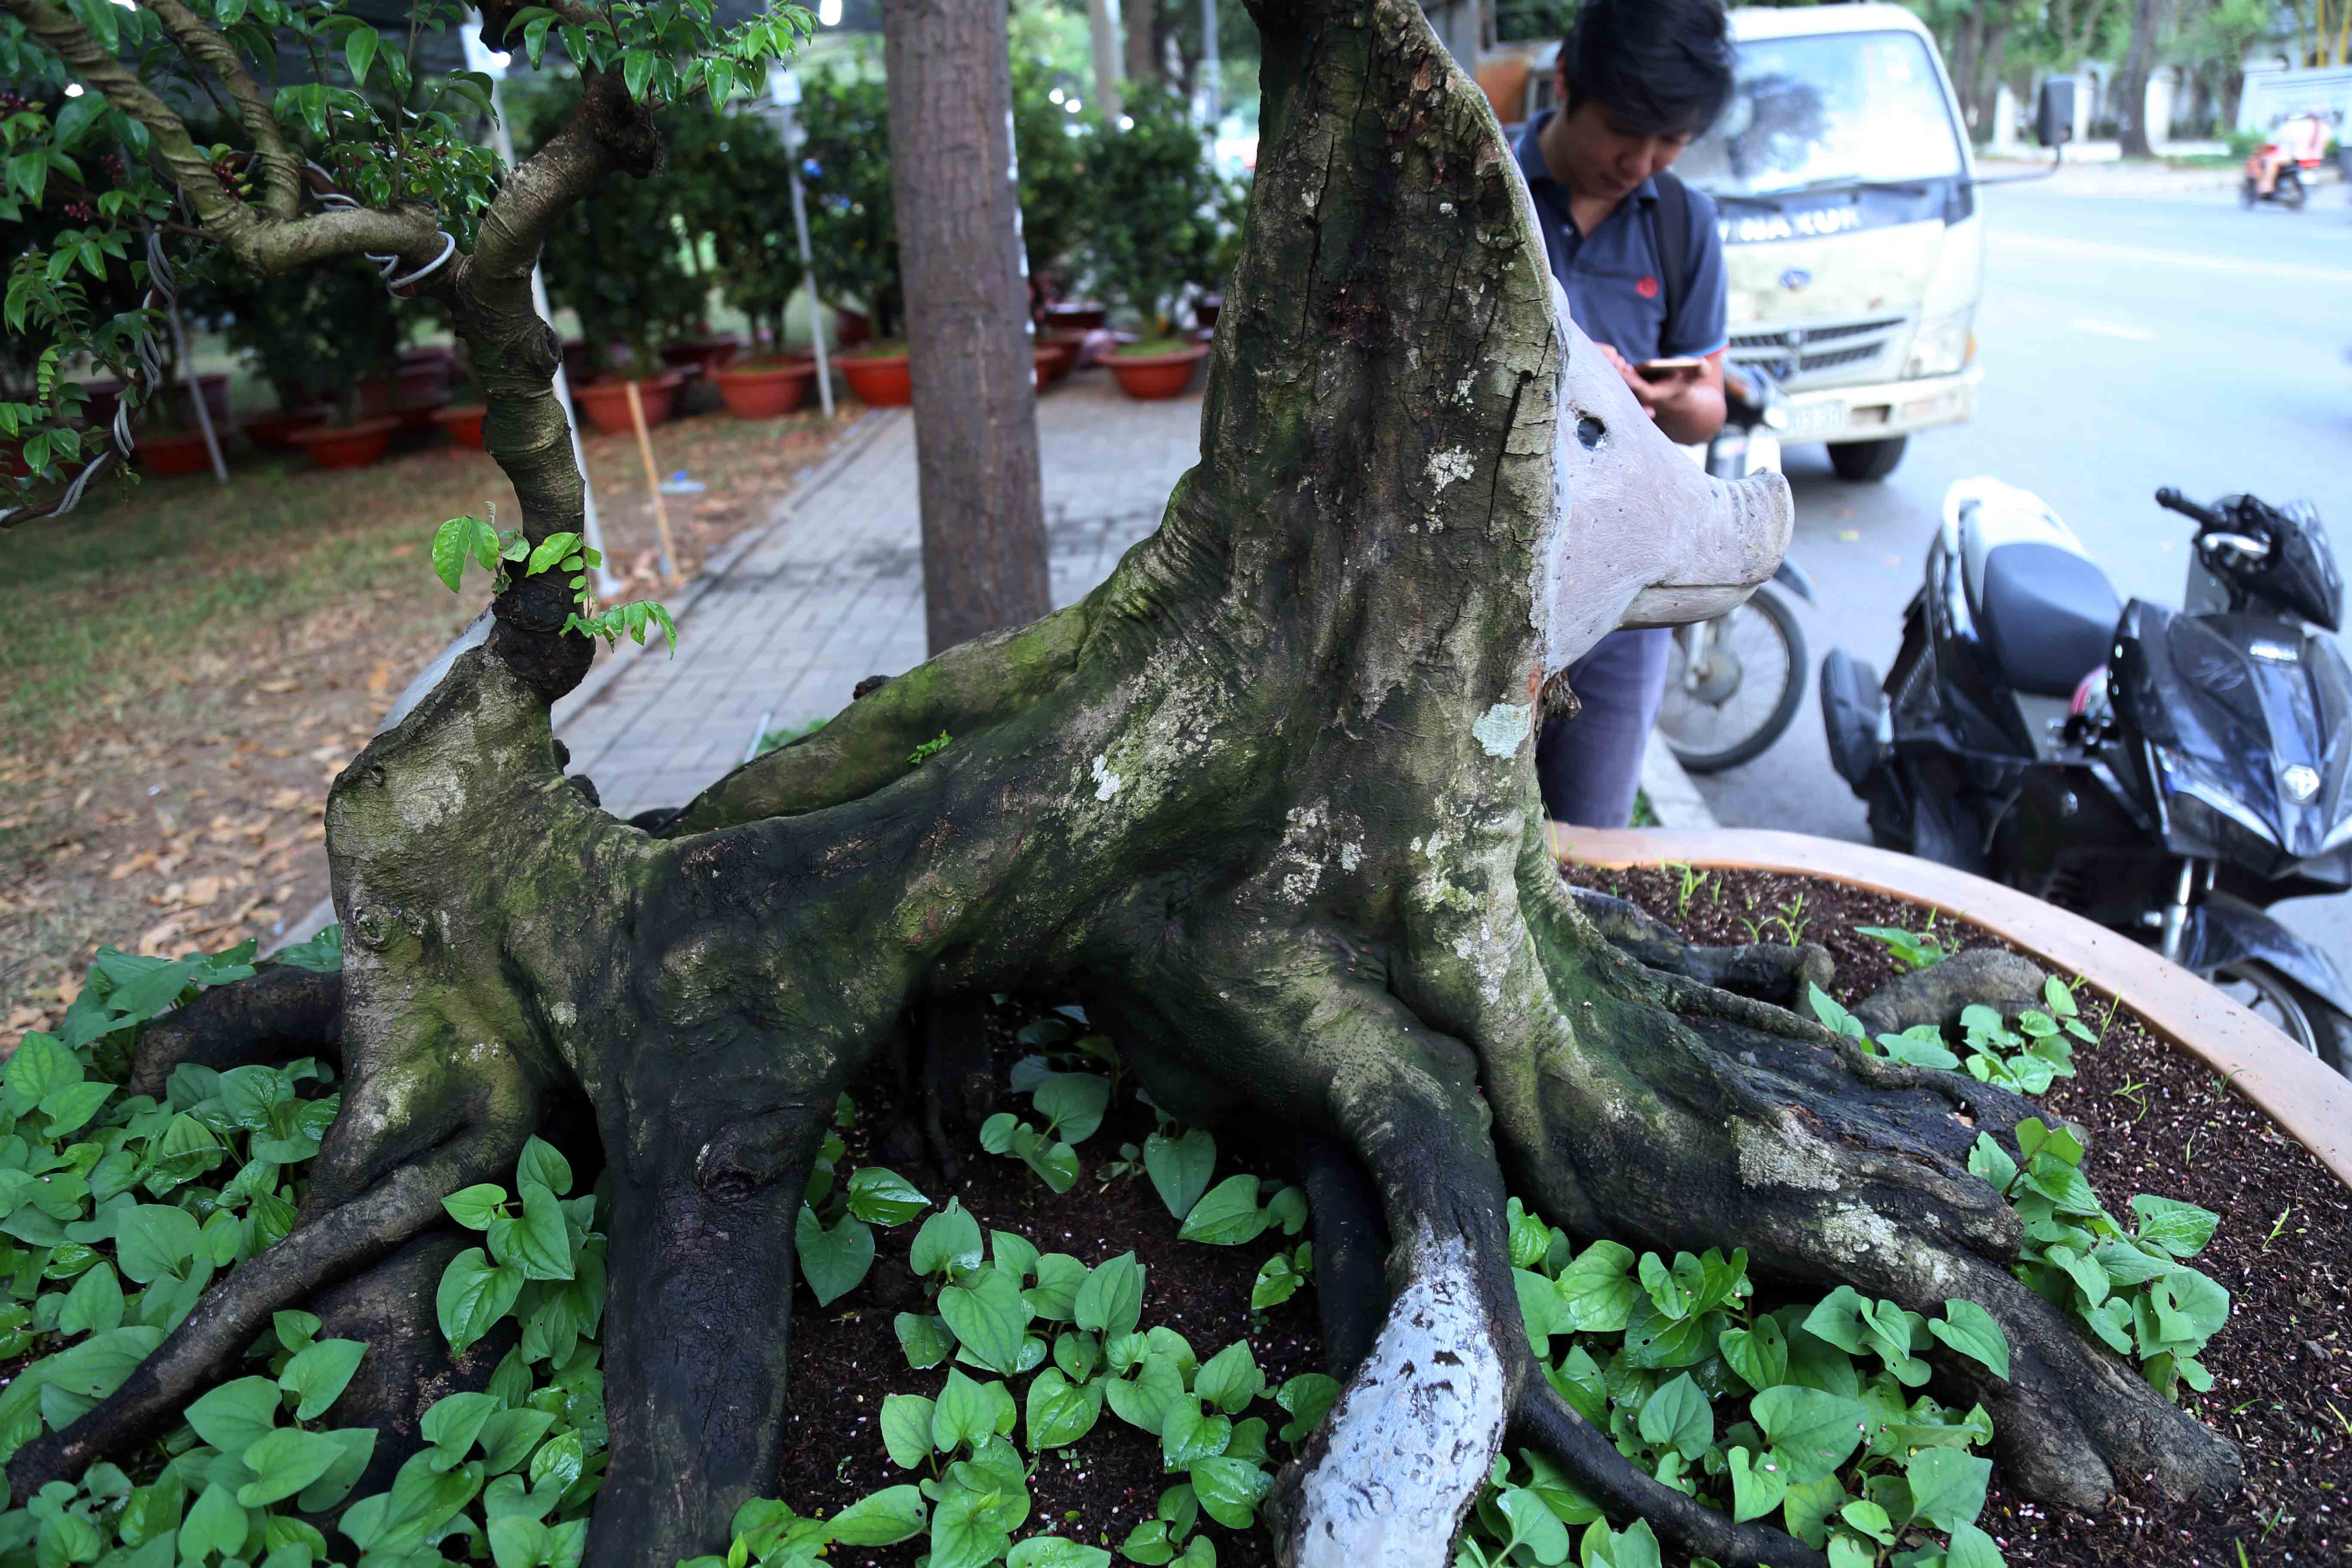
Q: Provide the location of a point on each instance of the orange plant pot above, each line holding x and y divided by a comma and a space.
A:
1148, 377
349, 446
606, 403
764, 391
277, 430
885, 380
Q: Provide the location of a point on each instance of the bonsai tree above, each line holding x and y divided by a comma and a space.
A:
1157, 198
851, 211
1264, 803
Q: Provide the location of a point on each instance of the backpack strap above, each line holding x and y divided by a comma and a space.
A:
1670, 216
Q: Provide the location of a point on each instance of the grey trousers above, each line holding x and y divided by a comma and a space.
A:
1589, 766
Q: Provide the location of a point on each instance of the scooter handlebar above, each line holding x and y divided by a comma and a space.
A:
2173, 500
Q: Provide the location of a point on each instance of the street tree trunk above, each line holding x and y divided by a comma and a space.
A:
1144, 38
2148, 19
966, 316
1265, 803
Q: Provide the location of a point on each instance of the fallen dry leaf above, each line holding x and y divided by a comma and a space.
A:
275, 688
68, 987
286, 799
379, 680
139, 862
201, 892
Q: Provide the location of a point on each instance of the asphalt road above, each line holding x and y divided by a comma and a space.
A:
2127, 343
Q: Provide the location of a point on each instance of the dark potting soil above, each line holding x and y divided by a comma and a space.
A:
2158, 1122
846, 1358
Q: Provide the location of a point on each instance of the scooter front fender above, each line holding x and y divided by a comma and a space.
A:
1792, 577
2221, 934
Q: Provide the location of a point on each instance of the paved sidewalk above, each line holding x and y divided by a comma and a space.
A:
833, 591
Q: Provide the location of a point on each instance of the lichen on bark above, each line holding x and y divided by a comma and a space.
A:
1264, 802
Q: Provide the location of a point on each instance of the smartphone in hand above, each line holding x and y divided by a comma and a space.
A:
1664, 370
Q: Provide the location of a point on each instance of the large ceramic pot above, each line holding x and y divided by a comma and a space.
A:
354, 446
1075, 316
463, 422
765, 389
850, 328
1054, 356
167, 456
426, 370
1146, 377
105, 394
276, 431
882, 380
606, 403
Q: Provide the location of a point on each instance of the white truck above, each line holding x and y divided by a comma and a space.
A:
1846, 194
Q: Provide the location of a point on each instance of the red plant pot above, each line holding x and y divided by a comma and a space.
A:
606, 403
885, 380
1148, 376
166, 457
1053, 361
850, 328
1076, 317
412, 392
464, 424
347, 447
276, 431
765, 391
1065, 346
706, 355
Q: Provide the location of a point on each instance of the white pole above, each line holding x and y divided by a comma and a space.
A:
195, 388
494, 66
785, 87
1212, 68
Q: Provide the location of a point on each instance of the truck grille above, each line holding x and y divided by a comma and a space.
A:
1797, 355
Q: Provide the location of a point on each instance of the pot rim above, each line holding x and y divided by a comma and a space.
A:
1169, 356
2301, 1096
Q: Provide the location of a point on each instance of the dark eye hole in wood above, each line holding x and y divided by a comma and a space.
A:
1589, 431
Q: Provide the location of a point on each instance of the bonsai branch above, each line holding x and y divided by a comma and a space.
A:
209, 49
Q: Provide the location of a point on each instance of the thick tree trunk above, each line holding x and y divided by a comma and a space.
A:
2148, 18
966, 316
1144, 38
1265, 802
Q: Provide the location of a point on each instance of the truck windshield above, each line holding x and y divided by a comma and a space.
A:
1832, 108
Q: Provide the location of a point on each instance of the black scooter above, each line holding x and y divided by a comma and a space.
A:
2169, 773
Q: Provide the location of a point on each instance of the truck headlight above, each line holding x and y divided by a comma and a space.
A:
1944, 346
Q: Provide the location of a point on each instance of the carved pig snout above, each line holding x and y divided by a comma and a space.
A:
1642, 535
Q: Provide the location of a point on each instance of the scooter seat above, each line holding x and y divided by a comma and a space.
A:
2049, 615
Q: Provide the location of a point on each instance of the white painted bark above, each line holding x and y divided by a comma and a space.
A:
1413, 1433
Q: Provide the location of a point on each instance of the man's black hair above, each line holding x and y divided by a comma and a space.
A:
1656, 68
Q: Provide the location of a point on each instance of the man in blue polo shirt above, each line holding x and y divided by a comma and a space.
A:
1637, 253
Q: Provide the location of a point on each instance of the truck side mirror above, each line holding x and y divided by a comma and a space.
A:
2053, 112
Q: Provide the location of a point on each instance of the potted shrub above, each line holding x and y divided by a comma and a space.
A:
347, 443
1156, 234
316, 335
619, 262
853, 227
764, 388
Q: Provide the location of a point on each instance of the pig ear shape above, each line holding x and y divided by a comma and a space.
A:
1641, 536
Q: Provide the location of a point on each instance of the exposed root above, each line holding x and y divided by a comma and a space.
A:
280, 1011
1937, 993
1772, 971
1352, 1248
1614, 1481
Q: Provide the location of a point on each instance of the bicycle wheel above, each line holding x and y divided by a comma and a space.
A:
1748, 685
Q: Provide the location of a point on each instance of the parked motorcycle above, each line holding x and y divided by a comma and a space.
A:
1734, 683
2169, 773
